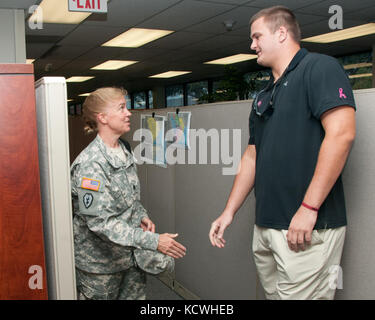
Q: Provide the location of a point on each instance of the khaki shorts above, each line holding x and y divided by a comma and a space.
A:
306, 275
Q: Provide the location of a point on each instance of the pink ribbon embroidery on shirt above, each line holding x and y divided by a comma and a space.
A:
342, 94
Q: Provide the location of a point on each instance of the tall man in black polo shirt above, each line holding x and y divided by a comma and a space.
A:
302, 126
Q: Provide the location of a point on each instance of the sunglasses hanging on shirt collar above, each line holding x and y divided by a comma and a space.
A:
264, 102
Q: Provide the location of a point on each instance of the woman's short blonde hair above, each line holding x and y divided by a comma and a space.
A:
97, 102
278, 16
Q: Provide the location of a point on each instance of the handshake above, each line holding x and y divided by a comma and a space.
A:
167, 244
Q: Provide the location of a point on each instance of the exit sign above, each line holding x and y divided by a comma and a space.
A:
97, 6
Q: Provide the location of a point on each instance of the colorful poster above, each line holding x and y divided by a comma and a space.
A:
154, 139
179, 123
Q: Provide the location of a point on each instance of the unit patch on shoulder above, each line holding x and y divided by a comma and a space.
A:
87, 200
90, 184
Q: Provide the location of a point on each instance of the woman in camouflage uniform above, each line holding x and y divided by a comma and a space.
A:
110, 224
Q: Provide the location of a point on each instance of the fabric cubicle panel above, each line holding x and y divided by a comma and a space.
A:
357, 265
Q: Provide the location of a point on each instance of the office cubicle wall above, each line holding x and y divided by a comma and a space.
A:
358, 261
53, 144
186, 198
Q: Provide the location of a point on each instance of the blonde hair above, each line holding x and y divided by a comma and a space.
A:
97, 102
278, 16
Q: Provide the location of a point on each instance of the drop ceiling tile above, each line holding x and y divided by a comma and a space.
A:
236, 2
177, 40
240, 15
291, 4
140, 54
68, 52
305, 19
185, 14
215, 42
348, 6
322, 27
365, 15
101, 54
35, 50
92, 35
50, 29
131, 12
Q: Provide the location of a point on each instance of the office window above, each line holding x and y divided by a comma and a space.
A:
150, 99
256, 81
174, 95
128, 101
358, 67
195, 91
140, 100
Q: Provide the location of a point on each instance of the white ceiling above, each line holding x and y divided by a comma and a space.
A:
200, 36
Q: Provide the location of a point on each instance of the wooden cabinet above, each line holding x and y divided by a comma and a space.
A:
22, 261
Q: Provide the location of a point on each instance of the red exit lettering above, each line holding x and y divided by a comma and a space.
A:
88, 5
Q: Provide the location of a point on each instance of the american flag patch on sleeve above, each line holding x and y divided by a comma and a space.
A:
90, 184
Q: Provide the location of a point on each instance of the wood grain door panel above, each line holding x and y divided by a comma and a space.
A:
21, 230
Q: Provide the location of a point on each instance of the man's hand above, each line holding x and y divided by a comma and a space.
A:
171, 247
217, 230
147, 225
300, 228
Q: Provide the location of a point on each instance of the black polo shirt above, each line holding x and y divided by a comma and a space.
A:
288, 134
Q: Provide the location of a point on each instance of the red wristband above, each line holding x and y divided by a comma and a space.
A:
309, 207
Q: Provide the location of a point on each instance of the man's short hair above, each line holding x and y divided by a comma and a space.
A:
278, 16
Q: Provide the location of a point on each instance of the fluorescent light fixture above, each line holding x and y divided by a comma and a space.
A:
113, 65
84, 94
233, 59
78, 79
358, 65
69, 100
56, 11
349, 33
136, 37
30, 61
363, 75
170, 74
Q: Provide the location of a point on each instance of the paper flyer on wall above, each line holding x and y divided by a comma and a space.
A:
179, 123
154, 128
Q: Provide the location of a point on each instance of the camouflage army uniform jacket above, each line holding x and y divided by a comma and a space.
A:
107, 210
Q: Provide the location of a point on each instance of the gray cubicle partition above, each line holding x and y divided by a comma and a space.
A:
358, 261
186, 198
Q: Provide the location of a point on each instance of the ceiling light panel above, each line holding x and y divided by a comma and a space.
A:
56, 11
170, 74
349, 33
233, 59
78, 79
136, 37
113, 64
